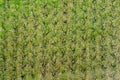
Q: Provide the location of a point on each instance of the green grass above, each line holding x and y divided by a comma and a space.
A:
59, 40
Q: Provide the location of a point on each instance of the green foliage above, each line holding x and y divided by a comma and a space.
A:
59, 40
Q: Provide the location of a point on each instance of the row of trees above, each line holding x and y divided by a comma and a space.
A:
59, 40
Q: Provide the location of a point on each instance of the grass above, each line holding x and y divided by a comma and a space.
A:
59, 40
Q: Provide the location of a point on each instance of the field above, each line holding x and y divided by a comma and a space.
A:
59, 39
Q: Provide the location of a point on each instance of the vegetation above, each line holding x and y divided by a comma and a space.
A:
59, 39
